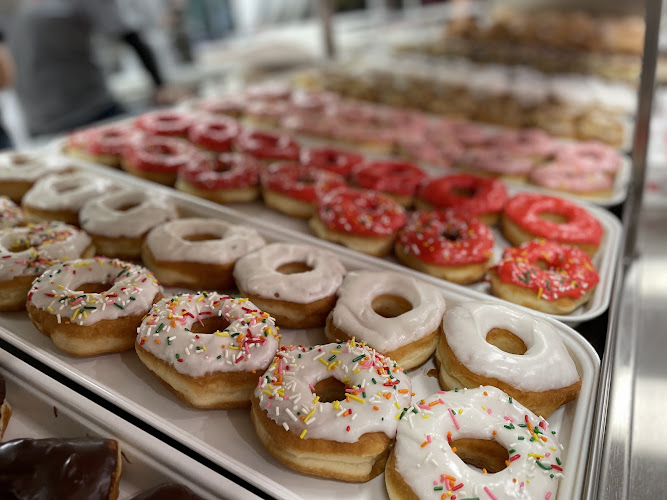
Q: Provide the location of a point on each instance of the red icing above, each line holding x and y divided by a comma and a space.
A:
443, 238
215, 133
334, 160
581, 227
360, 212
267, 145
393, 177
158, 153
226, 171
298, 181
488, 195
164, 123
569, 272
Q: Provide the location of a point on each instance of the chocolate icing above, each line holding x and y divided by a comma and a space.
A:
79, 468
168, 491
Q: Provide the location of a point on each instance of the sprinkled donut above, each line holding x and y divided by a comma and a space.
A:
397, 315
296, 284
198, 253
25, 252
528, 216
92, 306
102, 145
215, 134
567, 282
20, 171
398, 179
207, 348
493, 344
157, 158
361, 220
446, 245
119, 221
310, 423
335, 160
268, 146
227, 178
564, 176
483, 427
169, 123
10, 214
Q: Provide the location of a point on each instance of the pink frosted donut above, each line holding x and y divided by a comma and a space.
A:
530, 142
470, 134
563, 176
590, 155
496, 162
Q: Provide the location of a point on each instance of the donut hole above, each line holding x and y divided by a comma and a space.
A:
19, 246
464, 192
94, 287
330, 389
64, 187
20, 159
222, 166
294, 268
481, 453
506, 341
551, 217
390, 306
210, 325
452, 234
200, 237
127, 206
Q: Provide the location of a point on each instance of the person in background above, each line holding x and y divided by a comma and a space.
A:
59, 84
6, 80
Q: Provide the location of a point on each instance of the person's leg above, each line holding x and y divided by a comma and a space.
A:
5, 140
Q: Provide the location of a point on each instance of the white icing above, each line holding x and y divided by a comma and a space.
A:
10, 214
529, 87
256, 273
546, 365
66, 191
47, 243
101, 216
286, 389
167, 244
249, 342
354, 313
27, 167
425, 466
131, 292
490, 80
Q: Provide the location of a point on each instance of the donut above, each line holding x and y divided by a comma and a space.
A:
331, 410
528, 216
359, 219
215, 134
293, 188
92, 306
25, 252
590, 155
207, 348
532, 143
118, 221
157, 158
197, 253
165, 122
103, 145
444, 244
60, 197
296, 284
268, 146
569, 178
395, 178
469, 195
483, 427
567, 282
265, 113
394, 314
495, 162
85, 467
11, 215
334, 160
5, 408
268, 92
227, 105
227, 178
493, 344
20, 171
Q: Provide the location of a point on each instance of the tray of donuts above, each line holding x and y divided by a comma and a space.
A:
331, 403
58, 444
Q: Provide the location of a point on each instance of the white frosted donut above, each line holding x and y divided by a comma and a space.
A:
344, 436
119, 221
542, 378
296, 284
10, 214
83, 322
423, 463
19, 171
198, 253
216, 367
395, 314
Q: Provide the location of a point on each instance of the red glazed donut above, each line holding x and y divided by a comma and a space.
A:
469, 195
268, 146
227, 178
172, 123
529, 216
293, 188
363, 220
157, 158
566, 283
446, 245
398, 179
102, 145
334, 160
214, 134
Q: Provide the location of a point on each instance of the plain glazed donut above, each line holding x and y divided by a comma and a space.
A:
334, 160
268, 146
567, 282
20, 171
119, 220
10, 214
397, 315
483, 427
82, 322
529, 216
208, 349
493, 344
168, 122
296, 284
25, 252
444, 244
398, 179
227, 178
198, 253
216, 133
157, 158
349, 398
